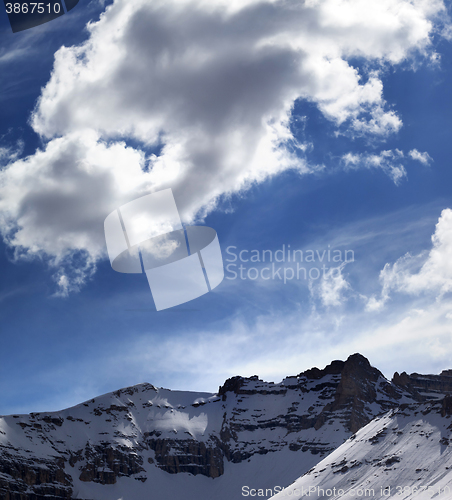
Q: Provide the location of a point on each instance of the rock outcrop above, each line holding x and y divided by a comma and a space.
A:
127, 433
425, 387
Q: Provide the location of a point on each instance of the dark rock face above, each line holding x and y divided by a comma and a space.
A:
104, 464
344, 392
334, 368
190, 456
231, 385
123, 433
446, 406
46, 478
360, 385
425, 387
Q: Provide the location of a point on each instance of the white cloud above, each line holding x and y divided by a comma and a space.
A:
389, 161
374, 304
55, 201
414, 334
72, 273
424, 158
331, 287
194, 360
140, 76
429, 272
213, 83
10, 154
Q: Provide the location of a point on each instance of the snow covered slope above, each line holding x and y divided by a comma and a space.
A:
143, 442
403, 455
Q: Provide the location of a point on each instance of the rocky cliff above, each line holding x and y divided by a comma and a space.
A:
425, 387
405, 454
134, 435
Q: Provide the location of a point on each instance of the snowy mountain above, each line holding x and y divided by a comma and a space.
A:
143, 442
404, 454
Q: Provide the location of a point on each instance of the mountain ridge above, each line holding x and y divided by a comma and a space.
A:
133, 435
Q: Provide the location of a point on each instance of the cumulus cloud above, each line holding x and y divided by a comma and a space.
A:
54, 201
211, 85
138, 75
429, 272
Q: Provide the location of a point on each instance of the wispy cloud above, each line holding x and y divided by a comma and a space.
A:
274, 339
10, 154
331, 288
390, 161
272, 346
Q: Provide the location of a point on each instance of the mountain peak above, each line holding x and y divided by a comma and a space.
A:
141, 433
358, 358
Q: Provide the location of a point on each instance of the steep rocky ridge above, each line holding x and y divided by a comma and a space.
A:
138, 433
425, 387
405, 454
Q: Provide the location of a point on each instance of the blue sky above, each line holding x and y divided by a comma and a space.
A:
326, 127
